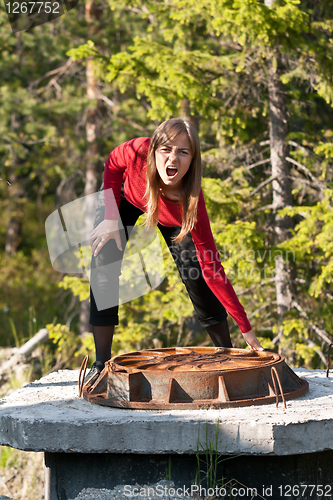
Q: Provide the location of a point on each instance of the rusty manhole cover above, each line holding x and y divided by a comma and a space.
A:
192, 378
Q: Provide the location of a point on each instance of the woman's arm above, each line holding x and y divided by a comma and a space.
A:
115, 166
215, 276
118, 166
114, 171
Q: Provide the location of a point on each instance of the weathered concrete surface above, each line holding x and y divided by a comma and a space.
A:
47, 415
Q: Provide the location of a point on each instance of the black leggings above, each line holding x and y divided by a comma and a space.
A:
209, 309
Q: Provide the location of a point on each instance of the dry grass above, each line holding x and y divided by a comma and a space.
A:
21, 472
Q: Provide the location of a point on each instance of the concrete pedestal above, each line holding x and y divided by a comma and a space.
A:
271, 477
87, 445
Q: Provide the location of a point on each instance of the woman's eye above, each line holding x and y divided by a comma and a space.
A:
168, 150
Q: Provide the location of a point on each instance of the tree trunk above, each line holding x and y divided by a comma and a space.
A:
93, 169
186, 114
13, 233
282, 189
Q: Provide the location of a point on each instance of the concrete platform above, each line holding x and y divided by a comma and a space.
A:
48, 416
92, 448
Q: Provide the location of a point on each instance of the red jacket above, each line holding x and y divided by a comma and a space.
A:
127, 163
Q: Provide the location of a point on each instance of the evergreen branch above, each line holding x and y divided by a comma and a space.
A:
320, 185
308, 283
135, 125
263, 184
317, 349
320, 333
180, 331
104, 98
261, 162
60, 71
252, 287
30, 143
260, 209
71, 316
298, 146
55, 84
262, 307
304, 181
141, 11
278, 337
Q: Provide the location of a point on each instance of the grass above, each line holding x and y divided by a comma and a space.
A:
209, 474
21, 474
207, 478
168, 473
14, 332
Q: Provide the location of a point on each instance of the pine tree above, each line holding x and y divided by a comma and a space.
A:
239, 66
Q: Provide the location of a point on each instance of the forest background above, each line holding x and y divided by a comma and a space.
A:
256, 79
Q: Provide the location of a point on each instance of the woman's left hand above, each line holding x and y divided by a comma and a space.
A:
252, 341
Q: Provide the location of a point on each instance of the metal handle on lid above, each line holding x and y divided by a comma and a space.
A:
83, 368
328, 359
276, 375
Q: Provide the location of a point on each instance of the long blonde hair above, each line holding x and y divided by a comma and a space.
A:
191, 182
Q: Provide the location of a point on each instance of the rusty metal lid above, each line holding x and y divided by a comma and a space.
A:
193, 378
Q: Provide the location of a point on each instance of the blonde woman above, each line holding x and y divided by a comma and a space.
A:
162, 177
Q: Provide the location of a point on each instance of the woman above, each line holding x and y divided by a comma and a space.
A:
162, 177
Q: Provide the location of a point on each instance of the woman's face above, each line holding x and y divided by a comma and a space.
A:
173, 159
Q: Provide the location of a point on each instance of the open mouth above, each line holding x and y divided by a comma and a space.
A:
171, 171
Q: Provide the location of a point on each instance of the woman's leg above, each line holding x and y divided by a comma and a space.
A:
211, 313
103, 336
104, 291
220, 334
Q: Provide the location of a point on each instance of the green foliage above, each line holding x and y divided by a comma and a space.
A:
312, 241
5, 455
59, 334
86, 50
43, 108
214, 54
215, 57
155, 60
296, 334
79, 287
28, 287
68, 346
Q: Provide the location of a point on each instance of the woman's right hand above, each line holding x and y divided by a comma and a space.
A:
252, 341
105, 231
